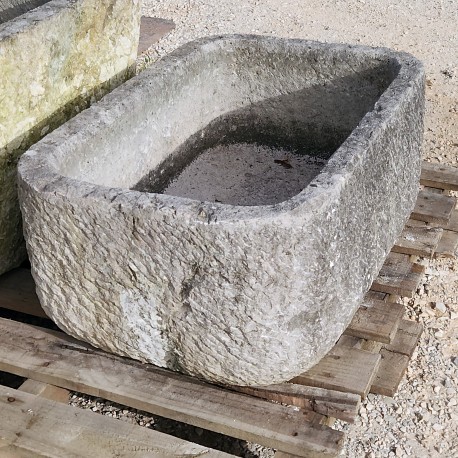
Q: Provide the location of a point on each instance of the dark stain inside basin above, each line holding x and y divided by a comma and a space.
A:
245, 174
268, 151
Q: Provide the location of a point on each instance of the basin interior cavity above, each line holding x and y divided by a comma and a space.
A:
271, 150
10, 9
242, 174
253, 126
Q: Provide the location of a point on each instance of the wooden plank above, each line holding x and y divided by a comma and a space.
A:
152, 29
419, 241
54, 358
44, 390
433, 208
406, 339
415, 223
279, 454
326, 402
33, 426
375, 295
376, 320
343, 369
439, 176
390, 373
398, 276
361, 344
371, 345
434, 190
453, 223
395, 358
17, 292
448, 245
349, 341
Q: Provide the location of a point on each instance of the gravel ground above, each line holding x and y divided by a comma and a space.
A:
422, 419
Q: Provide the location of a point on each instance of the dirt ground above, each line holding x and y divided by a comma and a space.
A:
422, 419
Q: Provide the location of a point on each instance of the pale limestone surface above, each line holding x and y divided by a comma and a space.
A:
54, 61
234, 294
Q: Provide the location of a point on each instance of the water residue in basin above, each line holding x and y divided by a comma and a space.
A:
245, 174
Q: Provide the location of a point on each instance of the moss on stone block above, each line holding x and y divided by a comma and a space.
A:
56, 60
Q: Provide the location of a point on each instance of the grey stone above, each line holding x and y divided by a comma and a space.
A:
56, 58
10, 9
239, 294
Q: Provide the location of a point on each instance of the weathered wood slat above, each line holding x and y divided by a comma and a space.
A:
419, 241
17, 292
435, 190
279, 454
349, 341
395, 358
406, 339
447, 246
390, 373
453, 223
44, 390
415, 223
33, 426
433, 208
343, 369
439, 176
398, 276
375, 295
55, 358
326, 402
371, 345
152, 29
376, 320
361, 344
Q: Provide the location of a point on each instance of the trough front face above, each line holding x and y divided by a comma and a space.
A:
54, 61
228, 276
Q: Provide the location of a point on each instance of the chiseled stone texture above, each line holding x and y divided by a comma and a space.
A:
54, 61
234, 294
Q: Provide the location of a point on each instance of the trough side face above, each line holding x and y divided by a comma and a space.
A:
55, 60
237, 295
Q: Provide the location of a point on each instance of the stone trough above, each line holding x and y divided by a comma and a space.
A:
56, 57
223, 213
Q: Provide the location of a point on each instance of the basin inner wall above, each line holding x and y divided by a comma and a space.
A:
299, 101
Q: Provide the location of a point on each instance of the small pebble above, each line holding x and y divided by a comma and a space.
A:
440, 308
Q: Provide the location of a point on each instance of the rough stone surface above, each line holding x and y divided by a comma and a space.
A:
54, 61
235, 294
10, 9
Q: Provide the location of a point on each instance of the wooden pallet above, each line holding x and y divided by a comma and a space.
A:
152, 29
371, 356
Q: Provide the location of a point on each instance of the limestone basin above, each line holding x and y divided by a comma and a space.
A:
142, 248
56, 57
